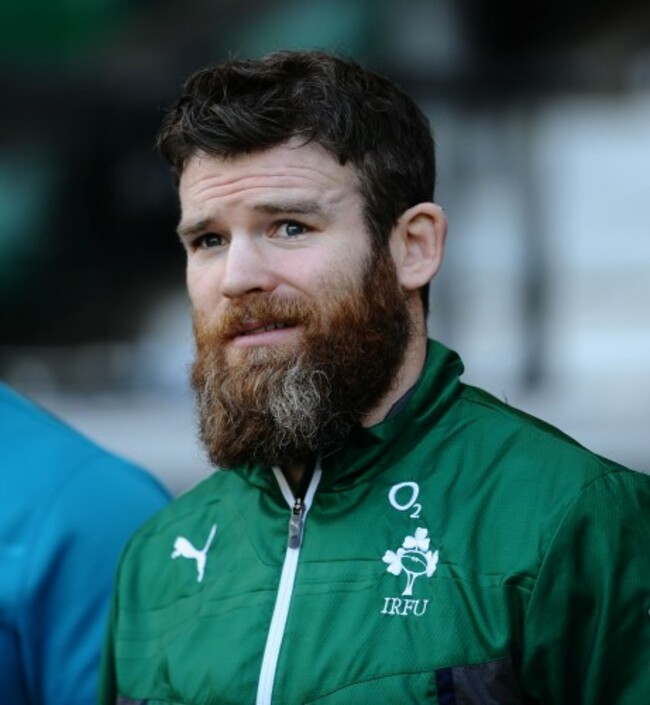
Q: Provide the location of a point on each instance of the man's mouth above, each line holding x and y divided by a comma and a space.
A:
262, 328
261, 333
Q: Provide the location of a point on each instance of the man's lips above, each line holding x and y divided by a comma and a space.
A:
253, 328
260, 333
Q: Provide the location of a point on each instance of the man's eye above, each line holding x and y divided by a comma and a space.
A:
206, 242
291, 229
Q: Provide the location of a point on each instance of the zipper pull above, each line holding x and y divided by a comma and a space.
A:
295, 524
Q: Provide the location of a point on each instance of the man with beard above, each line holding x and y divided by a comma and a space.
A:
377, 530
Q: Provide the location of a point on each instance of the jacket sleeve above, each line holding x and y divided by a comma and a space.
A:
587, 628
83, 532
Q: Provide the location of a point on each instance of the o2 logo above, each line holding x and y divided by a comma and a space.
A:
404, 497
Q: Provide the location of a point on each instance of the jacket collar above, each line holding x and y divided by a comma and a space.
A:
370, 451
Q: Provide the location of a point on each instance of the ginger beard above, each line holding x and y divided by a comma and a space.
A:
273, 405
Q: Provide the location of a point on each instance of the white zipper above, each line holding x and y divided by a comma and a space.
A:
299, 509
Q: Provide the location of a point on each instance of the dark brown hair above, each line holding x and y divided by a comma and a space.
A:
241, 106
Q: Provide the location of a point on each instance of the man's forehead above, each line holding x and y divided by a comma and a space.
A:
287, 178
289, 160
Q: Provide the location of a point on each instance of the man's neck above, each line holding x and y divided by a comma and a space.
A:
298, 475
407, 375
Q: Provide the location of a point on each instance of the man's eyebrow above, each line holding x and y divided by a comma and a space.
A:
188, 230
301, 207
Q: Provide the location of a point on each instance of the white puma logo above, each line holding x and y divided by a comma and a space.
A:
182, 547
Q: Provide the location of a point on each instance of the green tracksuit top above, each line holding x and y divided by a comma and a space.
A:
459, 552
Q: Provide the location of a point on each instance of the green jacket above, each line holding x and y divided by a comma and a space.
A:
459, 552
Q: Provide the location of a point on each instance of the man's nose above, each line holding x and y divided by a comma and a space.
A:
247, 268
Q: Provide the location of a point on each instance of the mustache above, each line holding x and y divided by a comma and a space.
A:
258, 309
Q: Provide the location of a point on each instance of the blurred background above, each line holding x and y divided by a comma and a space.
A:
541, 114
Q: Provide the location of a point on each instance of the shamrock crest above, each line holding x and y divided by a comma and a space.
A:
413, 558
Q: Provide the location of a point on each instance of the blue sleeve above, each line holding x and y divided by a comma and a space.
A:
69, 576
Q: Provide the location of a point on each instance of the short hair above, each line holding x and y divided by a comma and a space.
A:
242, 106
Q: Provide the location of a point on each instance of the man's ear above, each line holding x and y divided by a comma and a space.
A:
417, 244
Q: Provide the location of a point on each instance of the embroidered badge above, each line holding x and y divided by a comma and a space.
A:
184, 549
414, 558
